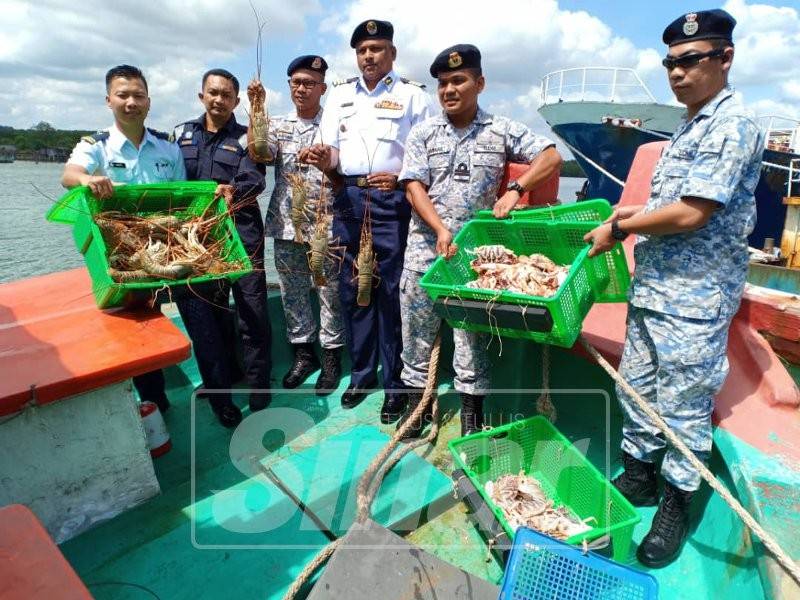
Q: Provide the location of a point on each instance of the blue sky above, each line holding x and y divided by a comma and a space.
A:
53, 56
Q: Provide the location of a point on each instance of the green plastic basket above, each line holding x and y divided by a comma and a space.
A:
588, 279
597, 210
78, 207
534, 446
588, 211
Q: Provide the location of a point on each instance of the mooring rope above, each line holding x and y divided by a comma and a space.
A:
370, 481
544, 403
772, 545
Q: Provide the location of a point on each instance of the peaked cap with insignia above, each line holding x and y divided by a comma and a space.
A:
455, 58
373, 30
700, 25
311, 62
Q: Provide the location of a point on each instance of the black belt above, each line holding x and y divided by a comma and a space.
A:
358, 181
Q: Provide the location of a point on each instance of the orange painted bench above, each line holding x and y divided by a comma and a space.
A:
55, 343
31, 565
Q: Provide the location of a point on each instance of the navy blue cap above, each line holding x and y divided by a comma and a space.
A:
700, 25
372, 29
455, 58
308, 61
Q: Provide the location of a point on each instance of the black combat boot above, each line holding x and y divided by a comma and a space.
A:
393, 407
471, 414
305, 363
227, 412
328, 379
414, 398
638, 482
663, 542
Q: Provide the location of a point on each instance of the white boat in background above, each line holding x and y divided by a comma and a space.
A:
603, 115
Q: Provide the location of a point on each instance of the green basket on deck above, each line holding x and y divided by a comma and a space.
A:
78, 207
590, 211
560, 317
534, 446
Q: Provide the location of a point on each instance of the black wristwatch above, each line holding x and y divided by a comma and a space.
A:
515, 186
617, 233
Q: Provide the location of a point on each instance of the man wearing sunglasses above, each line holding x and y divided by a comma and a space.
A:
288, 135
691, 263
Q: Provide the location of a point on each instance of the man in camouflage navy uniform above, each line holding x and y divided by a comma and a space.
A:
288, 135
691, 263
453, 166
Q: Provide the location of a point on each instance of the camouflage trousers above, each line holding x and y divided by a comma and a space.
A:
420, 324
294, 278
678, 365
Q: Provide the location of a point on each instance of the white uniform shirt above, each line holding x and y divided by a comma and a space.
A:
156, 160
369, 128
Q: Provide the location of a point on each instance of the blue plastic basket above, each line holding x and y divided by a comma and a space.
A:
542, 568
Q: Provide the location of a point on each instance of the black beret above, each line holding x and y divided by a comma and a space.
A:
372, 29
454, 58
308, 61
701, 25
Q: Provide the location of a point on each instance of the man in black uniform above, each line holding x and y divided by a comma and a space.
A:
214, 146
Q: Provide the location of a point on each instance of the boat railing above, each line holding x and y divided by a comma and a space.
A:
793, 185
600, 84
782, 133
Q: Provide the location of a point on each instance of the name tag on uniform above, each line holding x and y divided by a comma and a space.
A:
119, 165
461, 173
345, 104
231, 148
389, 104
185, 142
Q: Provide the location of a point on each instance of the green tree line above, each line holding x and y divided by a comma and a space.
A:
571, 168
41, 135
44, 135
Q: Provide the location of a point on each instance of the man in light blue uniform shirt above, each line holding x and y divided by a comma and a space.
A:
127, 152
362, 137
691, 264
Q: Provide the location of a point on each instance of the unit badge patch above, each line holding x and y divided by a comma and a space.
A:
691, 26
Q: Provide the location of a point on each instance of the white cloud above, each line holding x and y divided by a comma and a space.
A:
520, 43
767, 38
54, 55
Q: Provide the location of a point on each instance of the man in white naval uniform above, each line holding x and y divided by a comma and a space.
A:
362, 137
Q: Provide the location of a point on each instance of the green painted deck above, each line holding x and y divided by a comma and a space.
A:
248, 541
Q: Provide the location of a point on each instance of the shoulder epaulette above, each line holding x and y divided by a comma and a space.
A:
344, 81
159, 134
95, 137
412, 82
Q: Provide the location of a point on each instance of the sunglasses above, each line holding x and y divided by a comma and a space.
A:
309, 84
690, 60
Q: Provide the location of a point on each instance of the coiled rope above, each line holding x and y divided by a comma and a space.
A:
370, 481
